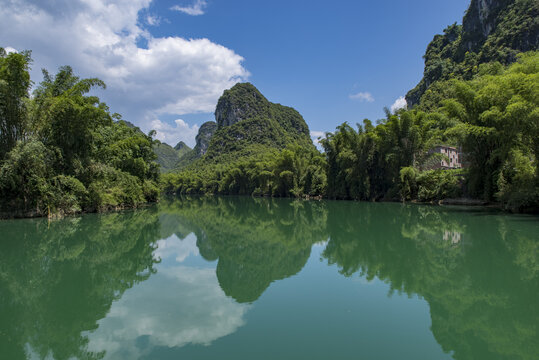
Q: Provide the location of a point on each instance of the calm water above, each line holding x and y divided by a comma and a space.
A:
242, 278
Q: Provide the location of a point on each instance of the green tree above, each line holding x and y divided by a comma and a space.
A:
14, 90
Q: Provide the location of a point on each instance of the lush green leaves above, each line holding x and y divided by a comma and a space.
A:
14, 87
492, 117
70, 155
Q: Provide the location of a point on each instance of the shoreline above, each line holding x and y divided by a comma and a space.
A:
458, 202
61, 215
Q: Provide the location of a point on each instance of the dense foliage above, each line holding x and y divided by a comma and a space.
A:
62, 152
494, 117
258, 148
495, 31
294, 171
169, 157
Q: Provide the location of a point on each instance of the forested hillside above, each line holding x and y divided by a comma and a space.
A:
491, 31
255, 148
62, 151
494, 118
480, 95
169, 157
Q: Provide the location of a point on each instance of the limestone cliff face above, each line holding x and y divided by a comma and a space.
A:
242, 102
492, 30
203, 137
246, 124
481, 20
247, 120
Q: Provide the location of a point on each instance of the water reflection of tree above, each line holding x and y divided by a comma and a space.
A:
256, 241
57, 280
482, 291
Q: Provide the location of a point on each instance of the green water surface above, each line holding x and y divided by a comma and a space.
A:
242, 278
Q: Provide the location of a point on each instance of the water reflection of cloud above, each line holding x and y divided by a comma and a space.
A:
175, 307
175, 248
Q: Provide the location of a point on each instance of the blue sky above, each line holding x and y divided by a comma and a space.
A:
167, 61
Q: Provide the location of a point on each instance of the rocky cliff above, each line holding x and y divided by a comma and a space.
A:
245, 118
242, 102
480, 21
246, 124
203, 138
205, 133
491, 31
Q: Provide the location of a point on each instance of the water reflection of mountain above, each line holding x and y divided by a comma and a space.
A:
256, 242
482, 290
478, 272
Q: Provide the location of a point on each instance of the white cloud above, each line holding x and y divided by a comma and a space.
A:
197, 8
175, 307
174, 134
153, 20
98, 38
10, 50
176, 248
178, 305
362, 96
317, 134
400, 103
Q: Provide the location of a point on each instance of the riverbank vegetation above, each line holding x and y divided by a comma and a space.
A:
62, 151
295, 171
493, 118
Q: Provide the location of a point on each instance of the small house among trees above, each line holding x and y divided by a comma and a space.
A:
452, 157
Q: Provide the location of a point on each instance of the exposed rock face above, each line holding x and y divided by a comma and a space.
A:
480, 21
203, 137
242, 102
247, 123
492, 30
245, 118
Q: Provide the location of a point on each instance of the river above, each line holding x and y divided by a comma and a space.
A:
242, 278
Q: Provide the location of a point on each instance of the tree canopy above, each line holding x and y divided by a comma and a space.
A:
62, 151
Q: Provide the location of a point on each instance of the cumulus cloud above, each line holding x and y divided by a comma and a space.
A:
10, 50
362, 96
197, 8
181, 131
400, 103
317, 134
190, 308
174, 248
98, 38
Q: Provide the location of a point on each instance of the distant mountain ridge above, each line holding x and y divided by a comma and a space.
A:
203, 138
168, 157
180, 146
491, 31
